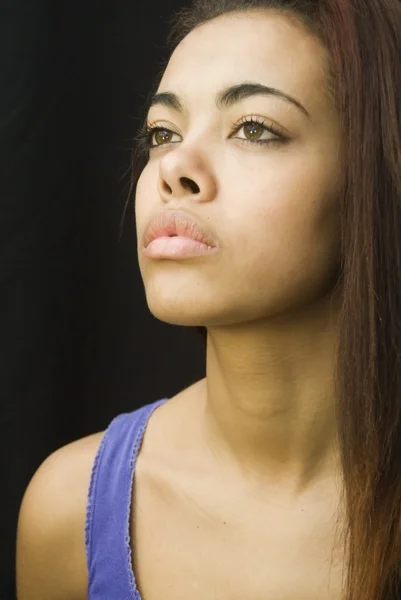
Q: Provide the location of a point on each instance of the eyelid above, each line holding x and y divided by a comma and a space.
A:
159, 123
262, 120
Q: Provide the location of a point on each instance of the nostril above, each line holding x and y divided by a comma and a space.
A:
167, 187
189, 183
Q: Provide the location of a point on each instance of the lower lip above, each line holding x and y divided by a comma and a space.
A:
177, 247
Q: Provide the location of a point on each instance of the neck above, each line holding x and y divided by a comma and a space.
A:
271, 402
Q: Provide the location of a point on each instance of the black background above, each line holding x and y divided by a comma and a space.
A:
78, 344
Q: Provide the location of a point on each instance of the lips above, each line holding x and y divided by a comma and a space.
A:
172, 223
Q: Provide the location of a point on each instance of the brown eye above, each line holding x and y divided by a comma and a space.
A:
253, 130
161, 136
259, 133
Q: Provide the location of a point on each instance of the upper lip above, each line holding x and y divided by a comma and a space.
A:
171, 223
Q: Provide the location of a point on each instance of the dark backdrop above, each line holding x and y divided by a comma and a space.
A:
77, 342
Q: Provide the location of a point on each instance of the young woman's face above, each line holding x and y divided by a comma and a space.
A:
268, 201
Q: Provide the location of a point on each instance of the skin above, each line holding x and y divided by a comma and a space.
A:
241, 467
266, 296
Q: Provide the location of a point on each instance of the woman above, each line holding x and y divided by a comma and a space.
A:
268, 211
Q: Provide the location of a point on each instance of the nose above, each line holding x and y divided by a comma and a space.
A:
185, 175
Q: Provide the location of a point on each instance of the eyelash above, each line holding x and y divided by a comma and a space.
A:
144, 137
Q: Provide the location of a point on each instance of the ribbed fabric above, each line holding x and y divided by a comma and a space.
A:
107, 537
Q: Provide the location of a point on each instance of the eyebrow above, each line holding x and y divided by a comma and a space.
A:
229, 96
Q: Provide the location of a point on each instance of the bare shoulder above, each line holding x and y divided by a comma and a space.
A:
51, 562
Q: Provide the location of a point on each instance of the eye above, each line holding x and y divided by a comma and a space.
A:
158, 136
253, 130
257, 132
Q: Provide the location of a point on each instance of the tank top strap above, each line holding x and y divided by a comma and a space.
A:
107, 527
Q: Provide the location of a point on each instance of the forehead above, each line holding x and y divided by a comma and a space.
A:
273, 49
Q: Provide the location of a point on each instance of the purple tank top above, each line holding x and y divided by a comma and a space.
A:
107, 537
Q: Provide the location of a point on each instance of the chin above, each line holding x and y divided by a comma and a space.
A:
184, 311
194, 309
172, 318
180, 297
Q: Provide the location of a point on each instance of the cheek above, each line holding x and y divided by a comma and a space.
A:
287, 226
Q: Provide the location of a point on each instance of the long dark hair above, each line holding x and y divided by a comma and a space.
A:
364, 41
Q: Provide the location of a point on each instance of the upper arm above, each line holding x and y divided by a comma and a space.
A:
51, 562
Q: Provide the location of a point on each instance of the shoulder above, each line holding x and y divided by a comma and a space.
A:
51, 561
